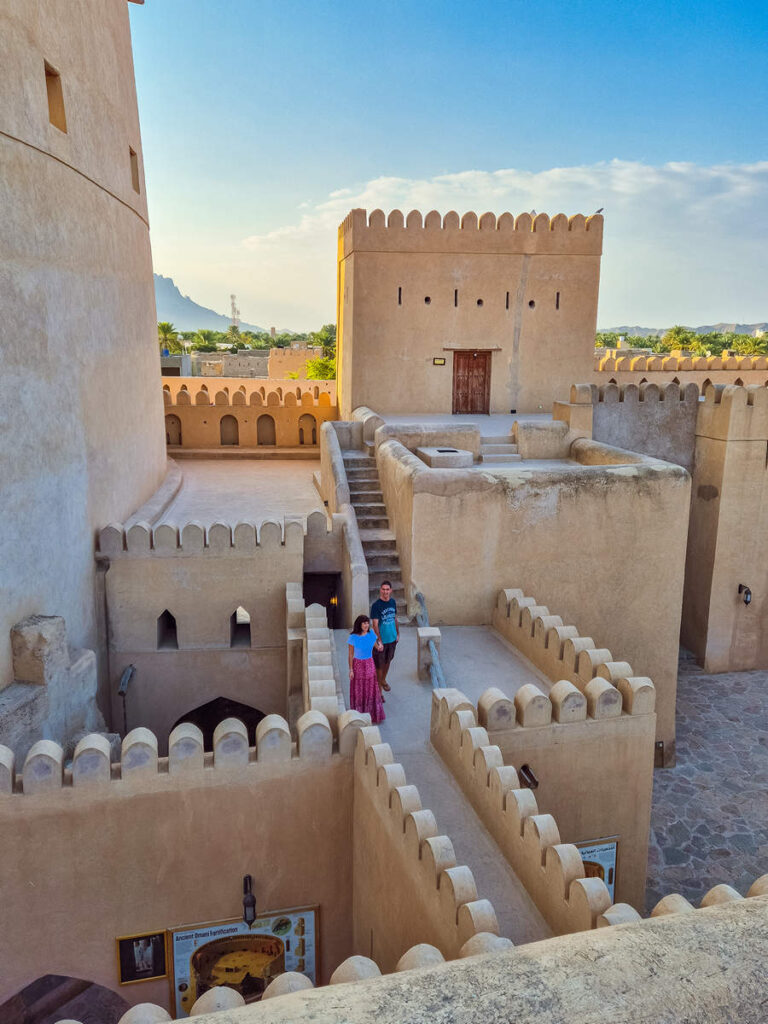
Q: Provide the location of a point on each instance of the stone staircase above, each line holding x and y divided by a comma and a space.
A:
498, 449
373, 523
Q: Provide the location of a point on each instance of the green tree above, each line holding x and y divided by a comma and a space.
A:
167, 337
326, 339
321, 369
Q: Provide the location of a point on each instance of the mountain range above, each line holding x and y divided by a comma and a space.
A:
187, 315
650, 332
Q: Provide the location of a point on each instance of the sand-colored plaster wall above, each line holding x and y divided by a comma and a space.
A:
80, 866
729, 519
201, 586
82, 438
525, 290
283, 361
462, 535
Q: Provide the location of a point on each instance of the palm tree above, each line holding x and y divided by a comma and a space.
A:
167, 336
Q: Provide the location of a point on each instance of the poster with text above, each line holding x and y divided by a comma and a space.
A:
245, 959
600, 861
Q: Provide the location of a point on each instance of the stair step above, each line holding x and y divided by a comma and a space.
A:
387, 562
380, 548
496, 439
377, 576
499, 449
500, 458
364, 475
370, 508
372, 522
364, 486
355, 455
377, 537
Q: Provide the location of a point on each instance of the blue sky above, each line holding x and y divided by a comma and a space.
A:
263, 121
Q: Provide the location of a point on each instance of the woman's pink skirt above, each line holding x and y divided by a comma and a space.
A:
364, 693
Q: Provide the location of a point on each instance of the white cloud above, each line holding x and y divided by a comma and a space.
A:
683, 242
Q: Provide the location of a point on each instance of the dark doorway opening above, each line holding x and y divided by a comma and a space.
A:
167, 639
208, 716
240, 628
323, 588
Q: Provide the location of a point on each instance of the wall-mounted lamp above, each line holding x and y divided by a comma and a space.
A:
746, 593
527, 777
249, 901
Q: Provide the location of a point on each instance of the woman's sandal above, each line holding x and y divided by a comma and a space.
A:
386, 686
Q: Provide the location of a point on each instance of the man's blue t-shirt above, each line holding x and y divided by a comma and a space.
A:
362, 644
386, 613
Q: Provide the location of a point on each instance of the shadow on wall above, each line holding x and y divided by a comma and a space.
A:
207, 717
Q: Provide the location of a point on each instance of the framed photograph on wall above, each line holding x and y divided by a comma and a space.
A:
141, 957
230, 953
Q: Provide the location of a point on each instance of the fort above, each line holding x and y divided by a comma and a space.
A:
183, 559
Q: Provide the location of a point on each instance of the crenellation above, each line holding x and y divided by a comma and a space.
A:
363, 232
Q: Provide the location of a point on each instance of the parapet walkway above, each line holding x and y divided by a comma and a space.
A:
473, 659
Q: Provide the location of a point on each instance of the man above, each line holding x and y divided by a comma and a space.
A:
384, 622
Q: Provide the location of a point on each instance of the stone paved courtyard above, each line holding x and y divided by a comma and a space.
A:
709, 822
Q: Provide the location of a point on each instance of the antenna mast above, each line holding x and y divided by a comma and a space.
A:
235, 312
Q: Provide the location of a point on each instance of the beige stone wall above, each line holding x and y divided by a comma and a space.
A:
281, 417
729, 518
596, 724
462, 535
283, 361
525, 289
408, 888
201, 577
82, 441
168, 845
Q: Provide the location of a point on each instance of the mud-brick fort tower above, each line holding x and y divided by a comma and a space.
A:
464, 316
82, 439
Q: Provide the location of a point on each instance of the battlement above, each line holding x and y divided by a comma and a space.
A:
141, 540
658, 363
730, 412
524, 234
589, 681
256, 395
44, 768
647, 393
453, 913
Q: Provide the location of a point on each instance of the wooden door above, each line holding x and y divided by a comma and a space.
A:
471, 382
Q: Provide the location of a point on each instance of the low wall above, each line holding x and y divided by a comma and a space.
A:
707, 967
407, 886
651, 418
101, 851
413, 436
462, 535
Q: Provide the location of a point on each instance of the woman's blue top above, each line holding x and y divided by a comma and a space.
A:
362, 643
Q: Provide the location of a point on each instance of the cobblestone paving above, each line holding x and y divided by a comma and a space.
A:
709, 822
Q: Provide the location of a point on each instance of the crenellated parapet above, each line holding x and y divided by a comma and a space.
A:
552, 872
140, 540
524, 234
589, 683
453, 911
733, 413
646, 394
255, 395
613, 363
44, 768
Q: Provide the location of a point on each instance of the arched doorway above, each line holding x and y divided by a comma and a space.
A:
307, 429
208, 716
230, 433
172, 430
265, 430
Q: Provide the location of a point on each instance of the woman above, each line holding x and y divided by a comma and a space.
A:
364, 693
